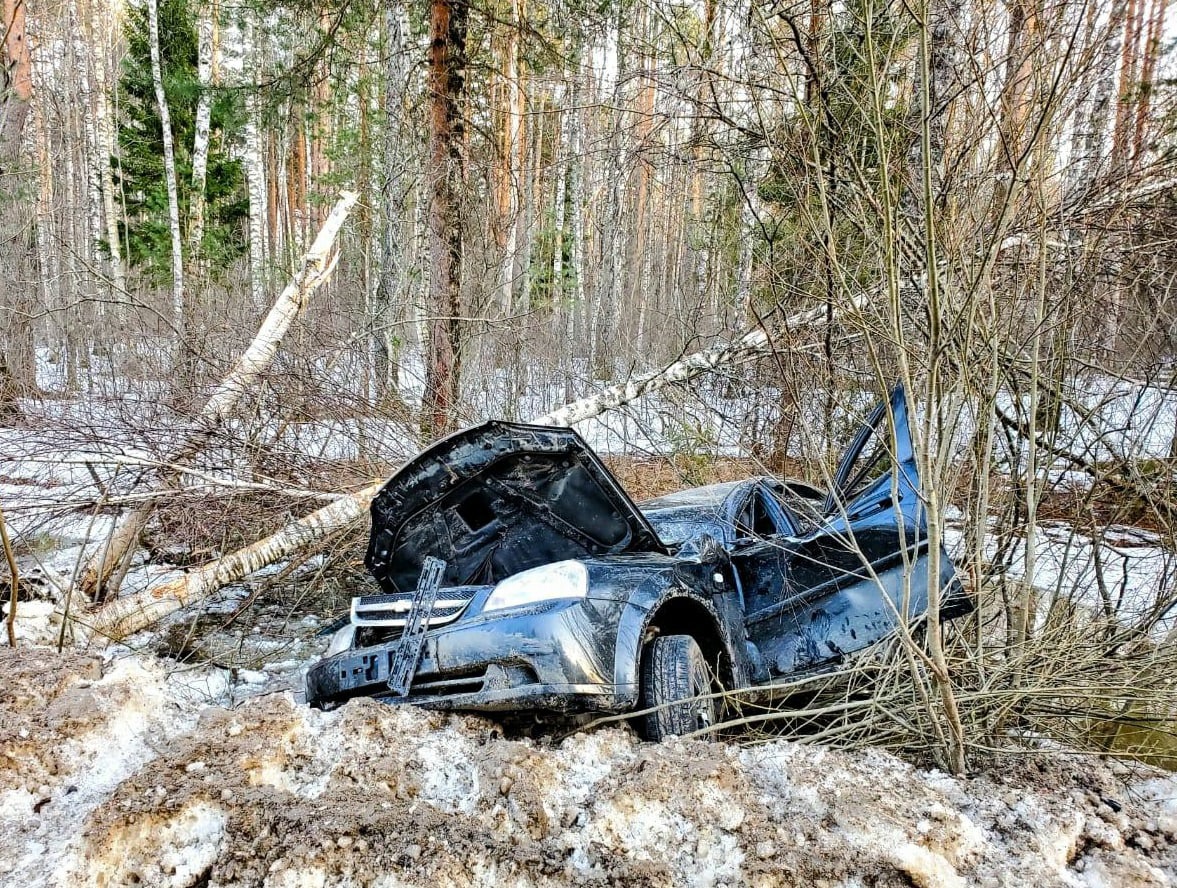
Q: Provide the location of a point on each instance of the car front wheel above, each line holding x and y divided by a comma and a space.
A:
675, 676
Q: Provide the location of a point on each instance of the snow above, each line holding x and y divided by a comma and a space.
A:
90, 737
130, 778
127, 769
1131, 567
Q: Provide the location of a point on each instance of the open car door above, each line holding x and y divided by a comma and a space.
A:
864, 569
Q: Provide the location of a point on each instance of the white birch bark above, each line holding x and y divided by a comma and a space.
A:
513, 151
316, 267
205, 24
388, 302
105, 124
751, 211
531, 181
48, 258
255, 178
559, 199
1087, 150
169, 166
576, 199
87, 95
134, 612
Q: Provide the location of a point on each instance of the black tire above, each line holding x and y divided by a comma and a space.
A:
674, 673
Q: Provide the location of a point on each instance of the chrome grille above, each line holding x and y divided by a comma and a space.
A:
392, 611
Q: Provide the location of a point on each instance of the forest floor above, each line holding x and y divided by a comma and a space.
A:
124, 771
132, 768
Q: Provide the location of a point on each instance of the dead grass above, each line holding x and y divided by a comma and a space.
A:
647, 477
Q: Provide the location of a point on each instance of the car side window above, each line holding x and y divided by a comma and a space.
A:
797, 515
755, 520
875, 461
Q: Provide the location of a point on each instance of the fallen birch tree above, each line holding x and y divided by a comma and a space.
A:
123, 616
315, 268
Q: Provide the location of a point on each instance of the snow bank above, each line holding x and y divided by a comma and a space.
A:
124, 778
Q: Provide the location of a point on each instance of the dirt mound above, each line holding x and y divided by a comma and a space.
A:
131, 778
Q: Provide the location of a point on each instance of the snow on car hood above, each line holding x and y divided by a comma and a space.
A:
499, 498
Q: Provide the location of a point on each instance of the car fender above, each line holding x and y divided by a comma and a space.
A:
638, 614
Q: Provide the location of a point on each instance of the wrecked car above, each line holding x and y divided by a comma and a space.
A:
517, 576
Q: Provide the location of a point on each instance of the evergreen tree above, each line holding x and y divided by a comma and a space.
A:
139, 168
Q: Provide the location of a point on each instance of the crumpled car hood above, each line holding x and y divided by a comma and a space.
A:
496, 499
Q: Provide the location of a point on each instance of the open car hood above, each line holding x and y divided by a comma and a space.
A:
496, 499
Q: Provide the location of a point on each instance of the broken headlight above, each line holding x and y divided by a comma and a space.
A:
563, 579
341, 641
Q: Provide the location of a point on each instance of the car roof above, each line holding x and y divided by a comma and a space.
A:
709, 496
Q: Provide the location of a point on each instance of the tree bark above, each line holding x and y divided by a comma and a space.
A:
610, 282
576, 203
16, 83
511, 160
1129, 82
316, 267
386, 308
205, 25
1152, 51
1086, 164
17, 357
560, 165
255, 179
751, 214
169, 166
100, 39
13, 580
126, 615
447, 70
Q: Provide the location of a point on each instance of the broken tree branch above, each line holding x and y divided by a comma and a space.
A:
751, 345
316, 267
1117, 475
123, 616
14, 581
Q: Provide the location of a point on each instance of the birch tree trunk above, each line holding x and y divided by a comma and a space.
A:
1084, 99
512, 150
637, 293
86, 100
255, 178
169, 166
610, 283
751, 213
316, 267
386, 308
1129, 82
560, 165
1086, 164
532, 195
48, 258
101, 53
205, 25
123, 616
576, 208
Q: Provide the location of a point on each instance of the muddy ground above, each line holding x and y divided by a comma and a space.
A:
124, 773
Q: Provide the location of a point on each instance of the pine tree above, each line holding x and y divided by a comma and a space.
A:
139, 168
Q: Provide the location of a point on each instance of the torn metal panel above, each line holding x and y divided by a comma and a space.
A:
555, 583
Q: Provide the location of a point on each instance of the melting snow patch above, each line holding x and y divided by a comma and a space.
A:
133, 776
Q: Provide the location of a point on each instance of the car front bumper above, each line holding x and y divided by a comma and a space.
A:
559, 657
